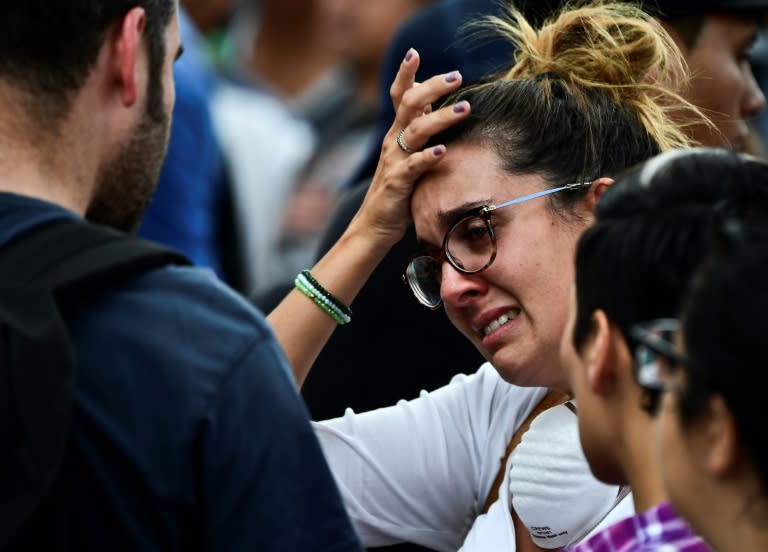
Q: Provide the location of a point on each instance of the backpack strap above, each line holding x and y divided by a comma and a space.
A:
75, 255
36, 385
552, 398
67, 256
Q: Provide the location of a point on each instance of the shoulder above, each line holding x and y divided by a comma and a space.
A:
194, 297
487, 392
179, 321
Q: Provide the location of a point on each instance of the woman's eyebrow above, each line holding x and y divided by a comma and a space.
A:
448, 217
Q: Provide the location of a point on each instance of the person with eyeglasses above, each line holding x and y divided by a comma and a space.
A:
499, 182
633, 266
711, 432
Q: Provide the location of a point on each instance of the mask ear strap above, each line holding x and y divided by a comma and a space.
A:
624, 490
551, 399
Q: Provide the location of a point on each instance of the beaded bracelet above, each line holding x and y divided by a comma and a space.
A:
310, 287
341, 306
322, 300
319, 301
303, 285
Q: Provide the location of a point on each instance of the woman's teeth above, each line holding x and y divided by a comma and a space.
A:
500, 321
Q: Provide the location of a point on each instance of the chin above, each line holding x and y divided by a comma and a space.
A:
515, 373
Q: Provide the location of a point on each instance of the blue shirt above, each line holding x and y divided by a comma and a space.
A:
188, 432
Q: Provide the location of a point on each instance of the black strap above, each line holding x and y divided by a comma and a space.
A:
70, 253
70, 257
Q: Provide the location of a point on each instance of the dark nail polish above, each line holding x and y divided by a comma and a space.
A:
460, 107
453, 76
409, 55
437, 151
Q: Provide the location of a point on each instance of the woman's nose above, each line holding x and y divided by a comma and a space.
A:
457, 288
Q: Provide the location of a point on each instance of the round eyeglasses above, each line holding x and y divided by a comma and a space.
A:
657, 360
469, 246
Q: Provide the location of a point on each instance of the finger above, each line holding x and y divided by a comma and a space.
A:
387, 203
405, 77
421, 162
421, 129
416, 99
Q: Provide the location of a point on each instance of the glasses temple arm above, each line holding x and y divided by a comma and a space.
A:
571, 186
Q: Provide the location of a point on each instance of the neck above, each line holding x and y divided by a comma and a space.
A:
740, 522
38, 163
52, 178
640, 463
738, 539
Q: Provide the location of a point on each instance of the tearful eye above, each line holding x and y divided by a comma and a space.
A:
470, 244
472, 233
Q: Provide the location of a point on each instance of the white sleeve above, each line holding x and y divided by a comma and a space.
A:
420, 471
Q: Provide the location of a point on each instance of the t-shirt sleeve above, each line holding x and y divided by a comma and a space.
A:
265, 483
416, 472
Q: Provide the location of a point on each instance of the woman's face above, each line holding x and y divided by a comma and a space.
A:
528, 283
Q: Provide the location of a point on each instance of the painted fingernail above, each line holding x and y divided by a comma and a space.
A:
437, 151
461, 106
409, 55
453, 76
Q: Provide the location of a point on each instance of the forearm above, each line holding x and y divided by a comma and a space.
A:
303, 328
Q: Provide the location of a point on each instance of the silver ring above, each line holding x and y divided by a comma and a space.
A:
402, 144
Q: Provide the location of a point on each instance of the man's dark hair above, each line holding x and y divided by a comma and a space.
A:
47, 49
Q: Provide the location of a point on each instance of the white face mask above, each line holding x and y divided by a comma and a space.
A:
551, 486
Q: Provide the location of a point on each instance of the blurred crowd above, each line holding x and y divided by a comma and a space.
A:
286, 93
280, 106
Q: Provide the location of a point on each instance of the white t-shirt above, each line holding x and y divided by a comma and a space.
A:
420, 471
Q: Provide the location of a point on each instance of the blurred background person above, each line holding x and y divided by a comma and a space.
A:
278, 79
190, 209
282, 46
717, 38
358, 32
296, 116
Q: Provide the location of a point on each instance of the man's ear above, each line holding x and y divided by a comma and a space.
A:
597, 189
599, 354
127, 49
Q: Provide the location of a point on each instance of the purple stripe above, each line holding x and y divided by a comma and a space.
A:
658, 526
